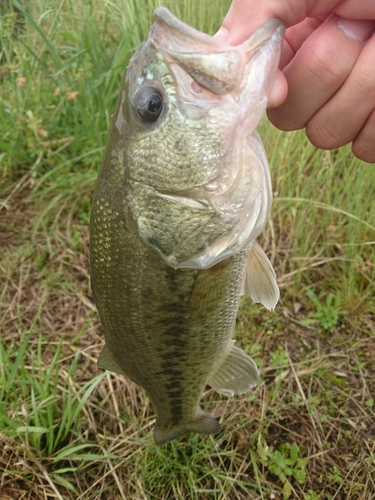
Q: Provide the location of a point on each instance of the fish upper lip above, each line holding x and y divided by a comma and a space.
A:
263, 33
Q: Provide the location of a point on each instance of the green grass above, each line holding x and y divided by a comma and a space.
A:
67, 430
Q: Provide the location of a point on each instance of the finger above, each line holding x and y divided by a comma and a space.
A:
278, 91
364, 144
296, 35
317, 71
246, 16
346, 113
354, 9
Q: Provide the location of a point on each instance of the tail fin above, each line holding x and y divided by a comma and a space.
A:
204, 424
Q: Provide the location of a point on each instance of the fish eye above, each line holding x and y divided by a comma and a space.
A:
149, 104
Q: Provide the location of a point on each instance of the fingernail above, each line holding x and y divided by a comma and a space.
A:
222, 34
360, 31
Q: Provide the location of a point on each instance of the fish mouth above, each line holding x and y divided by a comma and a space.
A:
213, 64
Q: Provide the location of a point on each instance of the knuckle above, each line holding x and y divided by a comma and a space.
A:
281, 120
365, 81
363, 145
362, 152
321, 135
327, 65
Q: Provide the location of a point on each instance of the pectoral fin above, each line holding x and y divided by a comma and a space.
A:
236, 374
260, 279
106, 361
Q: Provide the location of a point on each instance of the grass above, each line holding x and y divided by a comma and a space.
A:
69, 431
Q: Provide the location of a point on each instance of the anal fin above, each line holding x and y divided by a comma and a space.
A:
237, 372
107, 362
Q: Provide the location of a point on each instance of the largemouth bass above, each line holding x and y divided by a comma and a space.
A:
183, 191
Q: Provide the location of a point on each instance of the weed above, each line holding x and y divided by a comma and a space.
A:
279, 358
49, 407
335, 475
284, 463
328, 313
312, 495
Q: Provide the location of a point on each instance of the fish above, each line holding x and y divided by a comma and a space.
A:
183, 192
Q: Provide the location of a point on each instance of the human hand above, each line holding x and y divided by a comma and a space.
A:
328, 67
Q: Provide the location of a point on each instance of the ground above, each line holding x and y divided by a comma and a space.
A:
307, 431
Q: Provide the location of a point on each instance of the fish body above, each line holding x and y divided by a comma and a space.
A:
182, 193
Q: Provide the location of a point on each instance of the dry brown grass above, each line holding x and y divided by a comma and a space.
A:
316, 391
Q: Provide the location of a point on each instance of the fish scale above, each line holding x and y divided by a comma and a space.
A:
188, 155
182, 194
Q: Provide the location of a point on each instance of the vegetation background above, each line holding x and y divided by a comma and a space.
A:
70, 431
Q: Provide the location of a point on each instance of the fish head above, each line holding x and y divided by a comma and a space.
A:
195, 178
